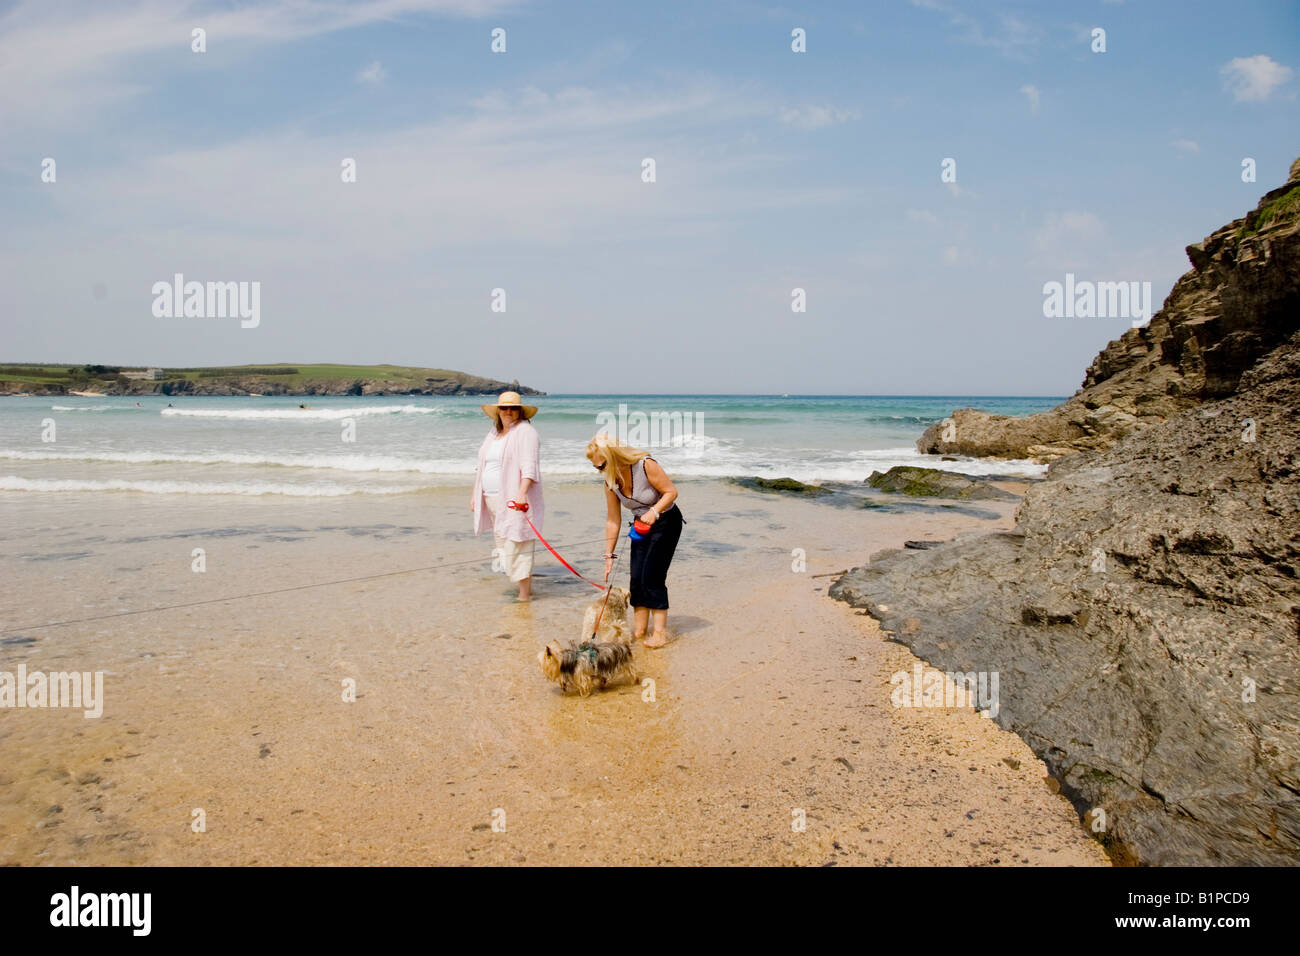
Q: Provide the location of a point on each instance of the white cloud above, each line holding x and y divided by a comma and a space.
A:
1079, 223
1032, 95
1067, 235
532, 195
922, 215
1012, 38
549, 168
815, 117
1253, 78
372, 75
1186, 145
65, 61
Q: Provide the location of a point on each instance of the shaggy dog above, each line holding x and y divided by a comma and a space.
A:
613, 622
603, 654
587, 666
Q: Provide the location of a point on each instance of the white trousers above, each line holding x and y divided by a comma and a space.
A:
515, 558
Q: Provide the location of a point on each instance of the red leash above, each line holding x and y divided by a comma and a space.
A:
515, 506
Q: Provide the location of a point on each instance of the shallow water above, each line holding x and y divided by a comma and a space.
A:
768, 695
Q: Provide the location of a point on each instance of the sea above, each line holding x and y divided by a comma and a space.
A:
386, 445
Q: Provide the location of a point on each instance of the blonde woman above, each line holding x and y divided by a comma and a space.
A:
509, 473
634, 480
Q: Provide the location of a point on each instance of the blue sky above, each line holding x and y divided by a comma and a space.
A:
522, 171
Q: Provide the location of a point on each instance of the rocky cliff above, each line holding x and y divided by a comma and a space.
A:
1144, 615
1239, 301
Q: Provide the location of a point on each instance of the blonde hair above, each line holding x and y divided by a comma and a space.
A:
615, 455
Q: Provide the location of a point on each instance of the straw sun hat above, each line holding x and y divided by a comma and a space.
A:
509, 400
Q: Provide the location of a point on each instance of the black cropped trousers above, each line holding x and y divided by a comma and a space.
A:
651, 556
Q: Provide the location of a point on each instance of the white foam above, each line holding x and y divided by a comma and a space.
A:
87, 408
982, 466
361, 463
315, 490
708, 461
300, 414
694, 446
846, 466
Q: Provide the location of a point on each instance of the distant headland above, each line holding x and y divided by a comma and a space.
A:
255, 380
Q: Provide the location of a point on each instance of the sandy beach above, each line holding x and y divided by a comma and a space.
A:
968, 334
772, 704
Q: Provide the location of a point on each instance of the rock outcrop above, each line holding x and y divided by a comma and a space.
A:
1144, 619
1144, 615
784, 485
932, 483
1239, 301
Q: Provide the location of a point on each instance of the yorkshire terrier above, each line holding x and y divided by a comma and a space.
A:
603, 655
613, 620
587, 666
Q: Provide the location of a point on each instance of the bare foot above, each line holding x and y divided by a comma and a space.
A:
658, 639
638, 636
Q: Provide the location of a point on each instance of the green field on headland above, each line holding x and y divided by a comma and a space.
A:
277, 379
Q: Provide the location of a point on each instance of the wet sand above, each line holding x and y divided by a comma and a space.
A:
772, 702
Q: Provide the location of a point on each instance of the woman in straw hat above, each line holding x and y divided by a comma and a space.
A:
509, 473
634, 480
